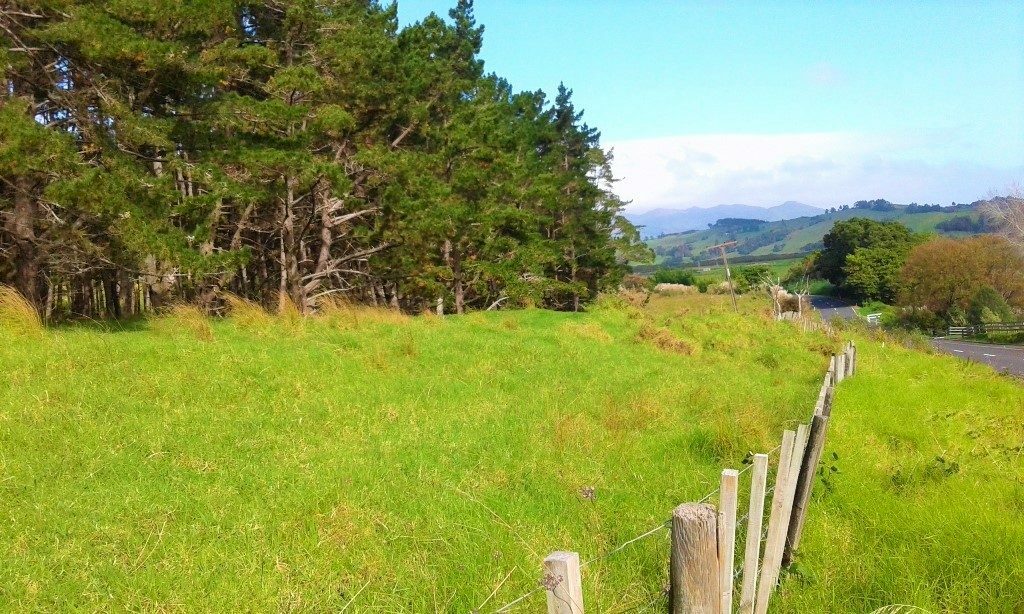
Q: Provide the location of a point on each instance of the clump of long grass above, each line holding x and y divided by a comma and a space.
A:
345, 314
289, 313
662, 338
587, 330
246, 313
185, 318
17, 314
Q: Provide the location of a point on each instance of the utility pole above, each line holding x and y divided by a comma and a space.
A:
728, 274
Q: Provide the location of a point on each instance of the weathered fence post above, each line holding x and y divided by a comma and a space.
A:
782, 507
805, 482
693, 563
819, 405
563, 583
853, 358
728, 497
840, 367
755, 518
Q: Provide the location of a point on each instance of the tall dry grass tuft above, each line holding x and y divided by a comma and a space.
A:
17, 314
185, 318
345, 314
289, 314
247, 313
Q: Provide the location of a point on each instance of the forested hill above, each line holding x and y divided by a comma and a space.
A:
804, 235
160, 151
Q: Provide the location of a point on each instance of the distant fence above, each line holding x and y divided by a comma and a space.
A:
702, 559
981, 329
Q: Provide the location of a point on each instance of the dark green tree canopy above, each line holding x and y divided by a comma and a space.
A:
158, 151
889, 243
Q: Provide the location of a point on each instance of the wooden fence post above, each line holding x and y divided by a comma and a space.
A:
829, 397
728, 497
778, 523
804, 484
819, 405
563, 583
840, 367
853, 358
693, 563
755, 518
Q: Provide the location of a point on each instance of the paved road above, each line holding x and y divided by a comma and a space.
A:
833, 308
1000, 357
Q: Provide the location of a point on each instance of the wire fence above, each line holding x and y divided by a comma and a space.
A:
780, 536
619, 548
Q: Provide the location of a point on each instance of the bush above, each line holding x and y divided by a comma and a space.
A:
921, 319
637, 283
987, 307
674, 276
750, 276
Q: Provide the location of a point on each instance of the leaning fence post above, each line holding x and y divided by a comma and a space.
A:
782, 507
563, 583
693, 561
727, 499
755, 518
805, 482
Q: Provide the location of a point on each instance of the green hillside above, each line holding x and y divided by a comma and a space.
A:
796, 236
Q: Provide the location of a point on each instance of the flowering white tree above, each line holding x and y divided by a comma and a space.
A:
1008, 212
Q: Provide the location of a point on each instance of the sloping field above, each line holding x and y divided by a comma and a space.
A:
383, 463
794, 236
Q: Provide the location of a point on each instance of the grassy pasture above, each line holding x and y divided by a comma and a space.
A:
385, 463
422, 463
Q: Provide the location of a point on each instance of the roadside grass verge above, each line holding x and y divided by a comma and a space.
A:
922, 493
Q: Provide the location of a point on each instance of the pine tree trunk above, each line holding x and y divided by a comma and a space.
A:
460, 292
112, 296
26, 253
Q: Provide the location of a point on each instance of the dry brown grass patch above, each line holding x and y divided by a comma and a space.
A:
185, 318
345, 314
17, 314
588, 330
247, 313
662, 338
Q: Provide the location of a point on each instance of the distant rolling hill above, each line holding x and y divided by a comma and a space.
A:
802, 235
657, 222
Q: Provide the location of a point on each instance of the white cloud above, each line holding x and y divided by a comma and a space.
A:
823, 169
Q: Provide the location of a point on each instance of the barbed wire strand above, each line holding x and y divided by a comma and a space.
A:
663, 525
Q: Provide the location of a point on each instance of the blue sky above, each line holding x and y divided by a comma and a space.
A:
826, 103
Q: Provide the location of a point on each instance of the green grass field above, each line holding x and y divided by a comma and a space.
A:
385, 463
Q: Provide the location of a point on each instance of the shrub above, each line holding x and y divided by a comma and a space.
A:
674, 276
637, 283
988, 306
921, 319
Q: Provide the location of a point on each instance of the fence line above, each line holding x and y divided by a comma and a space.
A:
981, 329
703, 539
654, 530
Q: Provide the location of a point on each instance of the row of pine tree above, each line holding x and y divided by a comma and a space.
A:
154, 151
